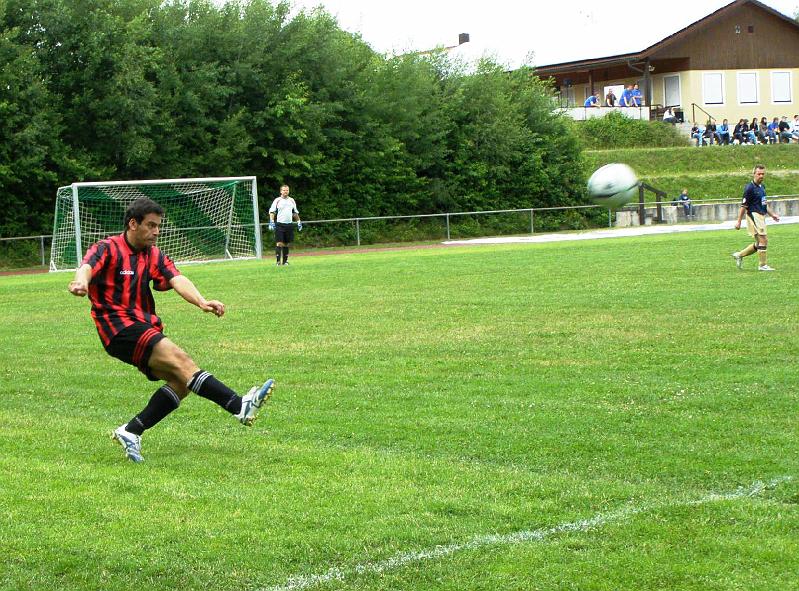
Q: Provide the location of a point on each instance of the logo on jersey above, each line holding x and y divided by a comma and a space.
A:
125, 272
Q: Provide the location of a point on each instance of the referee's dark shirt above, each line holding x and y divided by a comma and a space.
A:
754, 199
120, 285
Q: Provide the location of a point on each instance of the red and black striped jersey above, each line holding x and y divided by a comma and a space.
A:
120, 285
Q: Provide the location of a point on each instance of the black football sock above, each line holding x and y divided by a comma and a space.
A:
285, 254
204, 384
163, 402
277, 253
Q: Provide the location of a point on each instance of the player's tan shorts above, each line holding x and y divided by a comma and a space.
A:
756, 224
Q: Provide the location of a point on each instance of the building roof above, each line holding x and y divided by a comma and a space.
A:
641, 55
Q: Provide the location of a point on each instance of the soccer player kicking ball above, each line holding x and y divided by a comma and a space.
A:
116, 274
755, 208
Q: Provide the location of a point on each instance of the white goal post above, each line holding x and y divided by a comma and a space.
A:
205, 219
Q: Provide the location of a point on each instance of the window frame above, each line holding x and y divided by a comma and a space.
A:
705, 76
774, 101
738, 77
679, 91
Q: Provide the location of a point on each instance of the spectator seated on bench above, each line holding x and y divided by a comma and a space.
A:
710, 132
698, 133
785, 131
773, 130
685, 201
723, 133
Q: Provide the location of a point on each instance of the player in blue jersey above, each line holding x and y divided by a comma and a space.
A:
755, 208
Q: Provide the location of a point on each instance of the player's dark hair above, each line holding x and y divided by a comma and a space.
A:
140, 208
758, 167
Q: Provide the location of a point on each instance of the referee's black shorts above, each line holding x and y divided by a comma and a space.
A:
284, 233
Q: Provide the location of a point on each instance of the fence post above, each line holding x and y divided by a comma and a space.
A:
41, 242
532, 221
358, 231
447, 226
610, 218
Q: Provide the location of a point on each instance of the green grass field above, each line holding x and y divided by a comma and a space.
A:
595, 415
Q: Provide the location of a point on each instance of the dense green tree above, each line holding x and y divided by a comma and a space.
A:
116, 89
30, 151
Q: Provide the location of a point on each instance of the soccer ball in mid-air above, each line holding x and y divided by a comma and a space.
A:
613, 185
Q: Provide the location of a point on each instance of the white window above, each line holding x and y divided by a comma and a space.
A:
713, 88
781, 87
671, 90
747, 88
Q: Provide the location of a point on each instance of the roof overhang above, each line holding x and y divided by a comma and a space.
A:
641, 56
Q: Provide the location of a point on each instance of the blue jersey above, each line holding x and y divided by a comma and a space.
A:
754, 199
590, 101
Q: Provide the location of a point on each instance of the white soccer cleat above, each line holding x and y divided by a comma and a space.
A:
765, 268
252, 402
739, 260
130, 442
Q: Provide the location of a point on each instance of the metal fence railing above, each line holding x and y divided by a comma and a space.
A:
37, 250
448, 219
34, 251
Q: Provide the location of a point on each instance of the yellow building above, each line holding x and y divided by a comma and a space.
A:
741, 61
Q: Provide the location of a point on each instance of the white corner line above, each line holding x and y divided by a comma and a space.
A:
400, 560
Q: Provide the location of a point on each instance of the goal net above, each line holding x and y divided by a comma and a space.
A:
204, 219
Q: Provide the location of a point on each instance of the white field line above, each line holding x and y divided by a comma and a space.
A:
340, 574
614, 233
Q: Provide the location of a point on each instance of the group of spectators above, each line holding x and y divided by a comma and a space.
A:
630, 97
779, 130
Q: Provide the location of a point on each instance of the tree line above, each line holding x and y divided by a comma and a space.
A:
138, 89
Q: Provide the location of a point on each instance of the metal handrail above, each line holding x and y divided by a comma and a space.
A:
694, 106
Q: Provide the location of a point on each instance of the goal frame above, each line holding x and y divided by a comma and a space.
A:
76, 207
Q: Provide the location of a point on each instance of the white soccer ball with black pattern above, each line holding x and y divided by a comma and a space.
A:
613, 186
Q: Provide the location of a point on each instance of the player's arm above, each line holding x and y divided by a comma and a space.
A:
295, 214
79, 286
272, 214
773, 215
187, 290
741, 214
744, 209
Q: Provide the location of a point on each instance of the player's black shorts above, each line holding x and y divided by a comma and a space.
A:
134, 345
284, 233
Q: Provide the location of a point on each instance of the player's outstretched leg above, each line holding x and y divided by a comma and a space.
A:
252, 402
